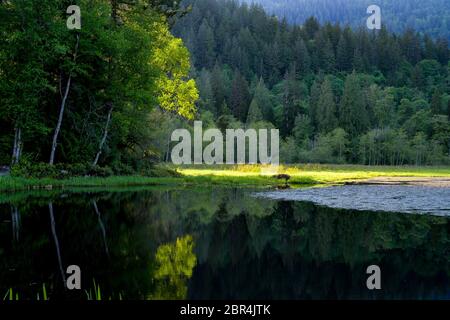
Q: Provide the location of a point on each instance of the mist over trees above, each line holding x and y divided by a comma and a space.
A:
337, 94
429, 17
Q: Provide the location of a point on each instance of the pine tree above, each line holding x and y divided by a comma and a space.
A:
240, 97
205, 46
217, 87
272, 60
325, 59
291, 99
417, 77
204, 85
313, 104
353, 114
263, 97
436, 102
311, 26
345, 51
326, 109
254, 113
448, 110
358, 62
302, 57
410, 44
442, 51
387, 51
302, 129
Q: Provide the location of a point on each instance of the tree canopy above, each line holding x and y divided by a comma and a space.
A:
122, 64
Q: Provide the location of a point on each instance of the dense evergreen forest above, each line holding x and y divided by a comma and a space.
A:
337, 94
430, 17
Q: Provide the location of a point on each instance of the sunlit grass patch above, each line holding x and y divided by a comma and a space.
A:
242, 175
314, 173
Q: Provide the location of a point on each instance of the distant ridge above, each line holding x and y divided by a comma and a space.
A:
425, 16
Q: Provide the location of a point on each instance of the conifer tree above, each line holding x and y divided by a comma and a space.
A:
254, 113
326, 109
436, 102
239, 97
353, 114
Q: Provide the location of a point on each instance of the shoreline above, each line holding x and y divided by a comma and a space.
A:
246, 176
438, 182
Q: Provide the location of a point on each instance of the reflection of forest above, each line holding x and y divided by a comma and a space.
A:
139, 245
175, 264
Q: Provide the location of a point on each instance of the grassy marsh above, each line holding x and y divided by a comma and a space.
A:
242, 175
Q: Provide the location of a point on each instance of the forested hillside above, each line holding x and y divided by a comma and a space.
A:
337, 94
426, 16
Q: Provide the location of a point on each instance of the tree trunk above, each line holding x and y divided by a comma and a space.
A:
55, 238
19, 145
15, 221
60, 118
17, 149
167, 155
62, 108
102, 226
105, 136
13, 157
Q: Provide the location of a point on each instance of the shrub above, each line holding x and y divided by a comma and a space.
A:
26, 169
78, 169
98, 171
59, 171
160, 172
121, 169
37, 170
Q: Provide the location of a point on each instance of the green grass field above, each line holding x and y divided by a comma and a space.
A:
243, 175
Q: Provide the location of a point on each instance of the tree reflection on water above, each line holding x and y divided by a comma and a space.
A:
216, 243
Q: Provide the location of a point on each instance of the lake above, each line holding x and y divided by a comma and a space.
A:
215, 243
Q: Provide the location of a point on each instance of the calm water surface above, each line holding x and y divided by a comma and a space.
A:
215, 243
388, 198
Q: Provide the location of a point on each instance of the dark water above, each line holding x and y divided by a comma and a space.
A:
215, 244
